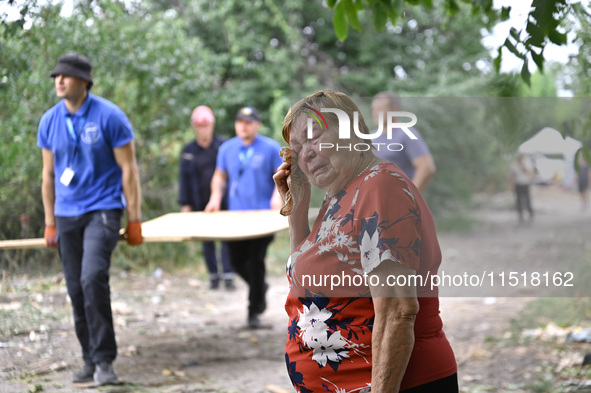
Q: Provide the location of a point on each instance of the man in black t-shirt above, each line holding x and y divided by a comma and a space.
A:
198, 161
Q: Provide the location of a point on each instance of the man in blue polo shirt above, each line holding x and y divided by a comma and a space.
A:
410, 155
89, 176
245, 168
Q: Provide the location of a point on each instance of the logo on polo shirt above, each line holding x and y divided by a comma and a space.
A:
91, 133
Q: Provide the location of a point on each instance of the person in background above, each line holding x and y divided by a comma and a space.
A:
414, 159
245, 168
521, 176
90, 175
198, 160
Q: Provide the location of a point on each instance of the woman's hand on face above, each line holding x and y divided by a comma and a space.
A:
282, 180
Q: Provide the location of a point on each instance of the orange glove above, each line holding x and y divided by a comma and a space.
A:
133, 233
50, 236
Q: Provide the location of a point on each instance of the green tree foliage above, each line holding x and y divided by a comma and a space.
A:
427, 53
545, 22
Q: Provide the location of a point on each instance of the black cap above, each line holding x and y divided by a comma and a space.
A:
73, 64
248, 113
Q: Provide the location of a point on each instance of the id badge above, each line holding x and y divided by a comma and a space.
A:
234, 188
67, 176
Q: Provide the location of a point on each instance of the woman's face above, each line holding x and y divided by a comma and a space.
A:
325, 167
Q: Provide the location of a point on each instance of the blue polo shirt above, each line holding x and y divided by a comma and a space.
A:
99, 126
412, 148
250, 171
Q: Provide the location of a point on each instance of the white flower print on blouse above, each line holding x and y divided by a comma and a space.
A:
354, 201
372, 172
316, 335
312, 323
341, 239
326, 228
370, 252
326, 349
341, 390
323, 248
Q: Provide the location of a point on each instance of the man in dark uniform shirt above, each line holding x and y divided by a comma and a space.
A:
198, 161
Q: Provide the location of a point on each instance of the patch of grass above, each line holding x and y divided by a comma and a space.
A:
541, 387
561, 311
36, 389
460, 222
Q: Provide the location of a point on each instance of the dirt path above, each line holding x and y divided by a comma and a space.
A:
175, 335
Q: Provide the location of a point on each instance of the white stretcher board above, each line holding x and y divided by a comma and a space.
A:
197, 226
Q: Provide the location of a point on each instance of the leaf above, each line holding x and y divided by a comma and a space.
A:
509, 45
351, 14
359, 5
380, 17
538, 59
331, 3
497, 60
557, 38
505, 11
536, 35
525, 74
341, 28
515, 33
393, 16
398, 7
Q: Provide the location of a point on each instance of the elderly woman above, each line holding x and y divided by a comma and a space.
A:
362, 318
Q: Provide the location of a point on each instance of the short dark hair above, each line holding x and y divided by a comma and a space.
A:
393, 98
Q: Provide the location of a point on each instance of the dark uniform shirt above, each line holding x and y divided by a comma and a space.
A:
197, 168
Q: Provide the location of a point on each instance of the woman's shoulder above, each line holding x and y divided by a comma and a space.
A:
387, 172
385, 181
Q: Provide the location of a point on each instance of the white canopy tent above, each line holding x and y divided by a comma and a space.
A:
553, 155
549, 141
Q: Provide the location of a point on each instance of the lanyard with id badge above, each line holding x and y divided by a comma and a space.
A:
244, 160
68, 174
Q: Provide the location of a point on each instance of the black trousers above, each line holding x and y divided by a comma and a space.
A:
211, 261
523, 200
248, 261
85, 245
443, 385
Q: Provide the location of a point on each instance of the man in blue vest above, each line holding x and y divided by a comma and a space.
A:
90, 176
245, 168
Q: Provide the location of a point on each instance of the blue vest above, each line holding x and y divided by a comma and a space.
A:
250, 171
98, 127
